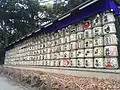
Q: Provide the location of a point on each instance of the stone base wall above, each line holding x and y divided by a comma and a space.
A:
37, 80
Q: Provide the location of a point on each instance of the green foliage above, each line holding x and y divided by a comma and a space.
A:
19, 17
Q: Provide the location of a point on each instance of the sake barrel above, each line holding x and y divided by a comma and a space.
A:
80, 44
73, 54
62, 61
66, 54
88, 43
61, 54
62, 47
66, 46
56, 41
61, 33
67, 39
55, 56
88, 33
48, 62
110, 51
110, 39
97, 20
73, 37
87, 24
57, 63
80, 53
41, 62
109, 28
98, 52
49, 50
48, 56
74, 62
52, 43
97, 31
99, 62
98, 41
52, 56
89, 62
79, 27
67, 31
88, 52
111, 62
73, 45
68, 62
72, 28
80, 62
108, 17
56, 35
80, 35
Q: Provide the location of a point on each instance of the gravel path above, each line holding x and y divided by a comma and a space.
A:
79, 72
7, 84
56, 81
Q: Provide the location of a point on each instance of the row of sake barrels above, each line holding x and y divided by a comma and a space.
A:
97, 41
109, 29
87, 62
107, 51
98, 52
89, 33
108, 40
108, 17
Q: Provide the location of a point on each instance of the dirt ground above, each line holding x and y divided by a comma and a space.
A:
50, 81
